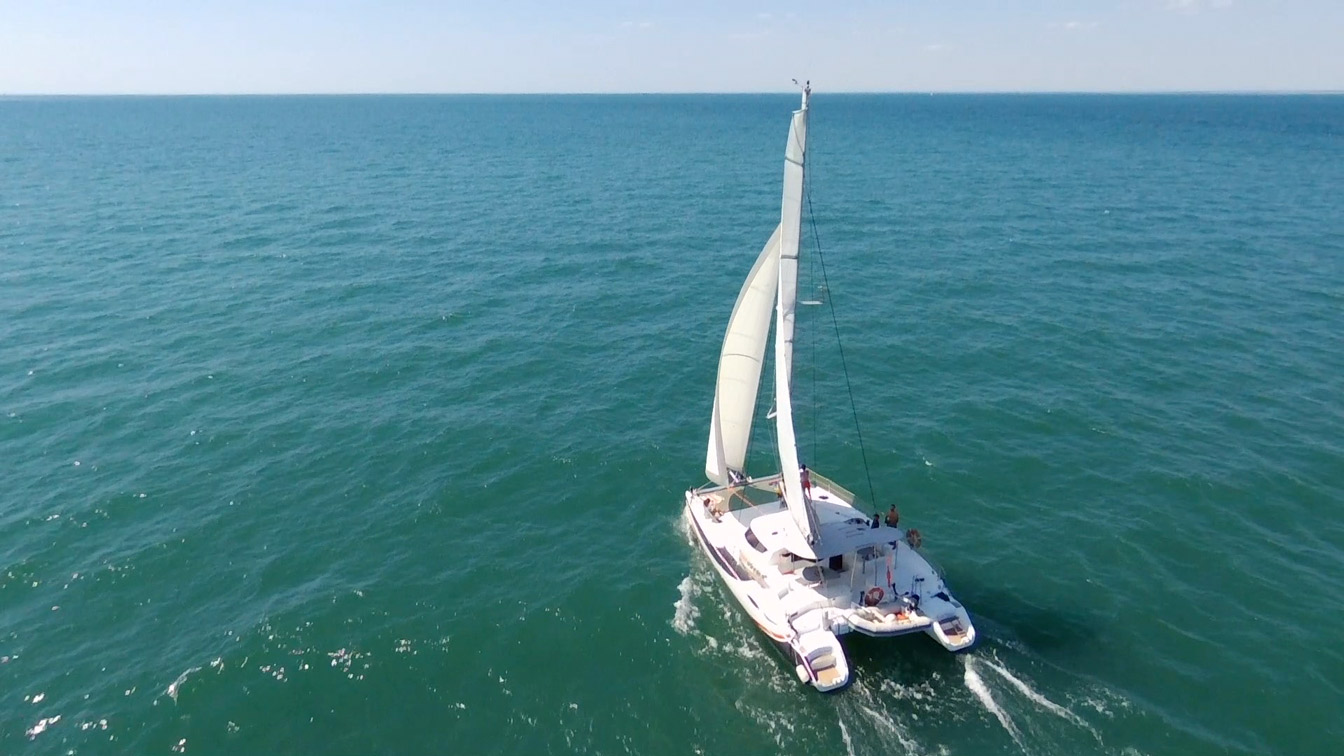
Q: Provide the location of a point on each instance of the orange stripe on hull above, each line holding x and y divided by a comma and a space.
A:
766, 630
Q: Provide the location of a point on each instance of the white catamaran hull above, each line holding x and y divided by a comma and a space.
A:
883, 588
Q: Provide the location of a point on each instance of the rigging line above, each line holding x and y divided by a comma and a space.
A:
812, 348
769, 401
830, 302
774, 427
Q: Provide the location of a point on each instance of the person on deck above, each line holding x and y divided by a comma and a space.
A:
806, 480
893, 517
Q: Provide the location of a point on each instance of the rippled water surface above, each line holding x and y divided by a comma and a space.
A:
360, 425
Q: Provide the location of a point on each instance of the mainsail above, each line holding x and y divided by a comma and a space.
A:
773, 281
740, 367
790, 227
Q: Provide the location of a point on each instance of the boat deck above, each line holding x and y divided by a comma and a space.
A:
753, 516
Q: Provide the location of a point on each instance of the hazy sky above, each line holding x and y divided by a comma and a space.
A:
144, 46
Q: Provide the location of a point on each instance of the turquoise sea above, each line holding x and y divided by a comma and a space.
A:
360, 425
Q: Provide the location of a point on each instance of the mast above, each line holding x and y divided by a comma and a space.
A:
790, 228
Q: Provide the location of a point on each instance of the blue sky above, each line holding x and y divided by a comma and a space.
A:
144, 46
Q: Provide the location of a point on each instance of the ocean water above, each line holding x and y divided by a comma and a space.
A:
355, 425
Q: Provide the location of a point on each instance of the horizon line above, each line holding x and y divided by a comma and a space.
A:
715, 93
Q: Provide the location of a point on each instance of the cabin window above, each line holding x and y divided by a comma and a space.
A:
754, 541
837, 563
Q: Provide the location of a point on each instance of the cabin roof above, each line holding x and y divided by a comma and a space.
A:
843, 530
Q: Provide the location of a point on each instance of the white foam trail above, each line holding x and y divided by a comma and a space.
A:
890, 727
981, 691
41, 726
779, 725
844, 734
1041, 700
175, 685
686, 610
687, 529
891, 736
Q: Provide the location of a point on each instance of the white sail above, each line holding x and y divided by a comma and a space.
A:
790, 227
740, 366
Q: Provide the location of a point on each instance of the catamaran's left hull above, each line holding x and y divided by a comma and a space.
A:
734, 577
782, 635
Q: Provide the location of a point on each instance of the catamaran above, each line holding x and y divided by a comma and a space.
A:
804, 561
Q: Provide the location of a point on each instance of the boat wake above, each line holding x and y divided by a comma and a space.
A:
896, 707
1039, 699
889, 729
686, 612
176, 685
730, 633
760, 690
849, 742
976, 684
880, 720
988, 696
683, 621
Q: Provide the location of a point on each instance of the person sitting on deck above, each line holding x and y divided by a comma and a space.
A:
893, 517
